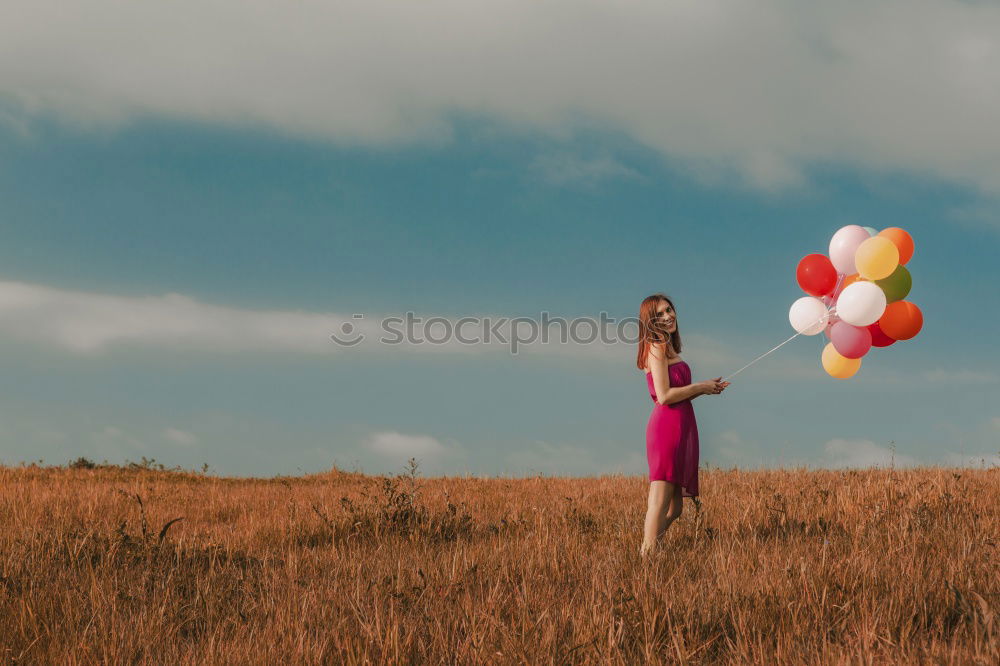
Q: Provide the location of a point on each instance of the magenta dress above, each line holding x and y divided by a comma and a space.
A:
672, 436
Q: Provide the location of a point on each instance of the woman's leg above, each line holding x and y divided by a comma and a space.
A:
660, 494
676, 506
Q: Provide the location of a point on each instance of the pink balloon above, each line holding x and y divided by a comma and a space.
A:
844, 244
850, 341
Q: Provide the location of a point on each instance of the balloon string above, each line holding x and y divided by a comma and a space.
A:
840, 278
825, 316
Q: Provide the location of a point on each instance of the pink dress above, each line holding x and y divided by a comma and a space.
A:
672, 436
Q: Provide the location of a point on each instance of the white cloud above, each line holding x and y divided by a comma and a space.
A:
862, 453
892, 376
758, 88
980, 438
731, 437
562, 459
953, 459
394, 444
554, 459
941, 375
180, 437
733, 447
113, 442
979, 215
634, 462
86, 322
90, 323
47, 435
569, 169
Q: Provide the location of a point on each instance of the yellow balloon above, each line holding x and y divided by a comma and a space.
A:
876, 258
837, 366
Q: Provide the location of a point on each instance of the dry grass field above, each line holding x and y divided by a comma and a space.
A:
143, 565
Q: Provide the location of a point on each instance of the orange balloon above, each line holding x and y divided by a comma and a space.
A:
902, 240
847, 281
837, 366
901, 320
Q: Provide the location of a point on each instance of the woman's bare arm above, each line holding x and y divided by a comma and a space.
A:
665, 394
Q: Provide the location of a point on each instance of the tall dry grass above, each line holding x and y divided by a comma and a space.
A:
785, 566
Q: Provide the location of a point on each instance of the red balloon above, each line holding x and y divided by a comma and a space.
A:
879, 338
816, 275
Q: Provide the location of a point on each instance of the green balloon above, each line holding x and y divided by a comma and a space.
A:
897, 285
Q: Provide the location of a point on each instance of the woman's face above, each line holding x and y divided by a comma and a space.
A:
666, 314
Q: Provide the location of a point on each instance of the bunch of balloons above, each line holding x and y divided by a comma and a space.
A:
856, 296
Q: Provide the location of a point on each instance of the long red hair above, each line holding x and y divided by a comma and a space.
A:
651, 329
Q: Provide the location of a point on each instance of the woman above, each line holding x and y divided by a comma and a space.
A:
672, 432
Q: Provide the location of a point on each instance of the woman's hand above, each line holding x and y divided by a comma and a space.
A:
713, 386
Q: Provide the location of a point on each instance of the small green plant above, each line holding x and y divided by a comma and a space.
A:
82, 463
396, 509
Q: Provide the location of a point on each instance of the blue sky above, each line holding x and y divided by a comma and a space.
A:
171, 274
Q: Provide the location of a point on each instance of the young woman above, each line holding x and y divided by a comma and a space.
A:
672, 432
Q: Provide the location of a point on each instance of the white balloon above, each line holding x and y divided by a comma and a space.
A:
861, 304
871, 231
844, 244
808, 315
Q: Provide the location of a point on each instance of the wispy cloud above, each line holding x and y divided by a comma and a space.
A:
980, 215
564, 459
395, 444
89, 323
93, 323
682, 78
953, 459
841, 453
115, 442
976, 441
959, 376
732, 446
939, 376
180, 437
570, 169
